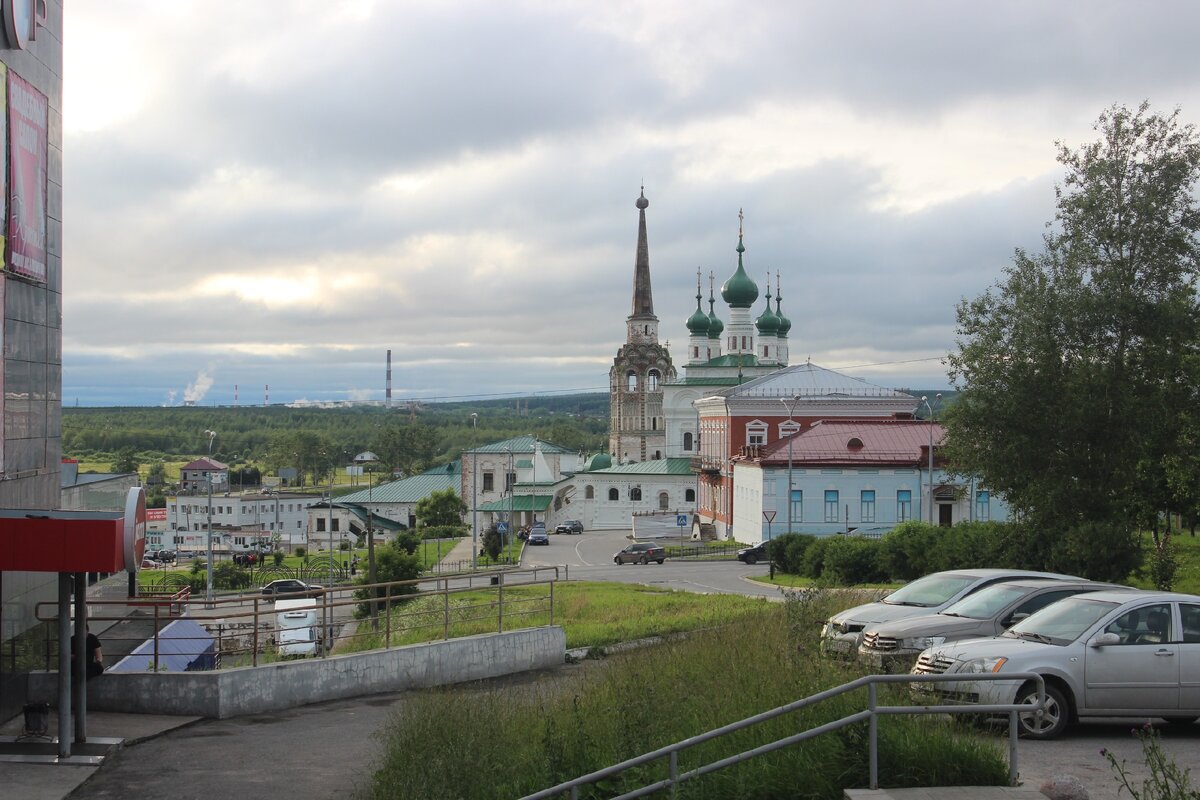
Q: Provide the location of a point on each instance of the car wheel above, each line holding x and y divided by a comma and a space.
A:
642, 560
617, 560
661, 560
751, 559
1181, 720
1051, 721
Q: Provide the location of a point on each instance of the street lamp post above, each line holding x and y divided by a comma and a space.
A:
329, 525
930, 408
208, 473
474, 497
791, 407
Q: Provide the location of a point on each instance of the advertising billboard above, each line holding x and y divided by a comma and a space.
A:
28, 155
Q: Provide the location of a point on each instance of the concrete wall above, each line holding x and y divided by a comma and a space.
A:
273, 687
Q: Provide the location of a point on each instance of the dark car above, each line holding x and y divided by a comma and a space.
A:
641, 553
291, 587
163, 556
753, 555
569, 526
537, 535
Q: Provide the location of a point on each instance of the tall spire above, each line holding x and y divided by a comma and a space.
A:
643, 299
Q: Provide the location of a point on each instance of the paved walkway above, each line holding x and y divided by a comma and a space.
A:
947, 793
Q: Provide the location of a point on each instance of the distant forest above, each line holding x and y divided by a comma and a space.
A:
245, 434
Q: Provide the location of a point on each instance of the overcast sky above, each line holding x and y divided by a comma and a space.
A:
279, 192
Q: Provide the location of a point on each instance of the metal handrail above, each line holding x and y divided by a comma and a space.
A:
871, 715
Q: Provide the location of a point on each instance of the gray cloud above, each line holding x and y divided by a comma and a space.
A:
456, 182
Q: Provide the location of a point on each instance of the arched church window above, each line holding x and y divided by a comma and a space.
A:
690, 496
646, 330
631, 380
664, 502
654, 423
687, 440
613, 494
635, 493
652, 379
589, 493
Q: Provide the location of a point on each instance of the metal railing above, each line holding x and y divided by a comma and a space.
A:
870, 715
246, 632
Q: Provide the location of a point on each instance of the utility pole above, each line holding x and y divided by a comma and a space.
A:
208, 473
474, 497
924, 399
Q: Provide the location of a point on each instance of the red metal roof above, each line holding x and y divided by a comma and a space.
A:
205, 464
862, 442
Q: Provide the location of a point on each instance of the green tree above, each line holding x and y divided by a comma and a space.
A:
492, 543
126, 461
441, 508
409, 447
1101, 328
157, 474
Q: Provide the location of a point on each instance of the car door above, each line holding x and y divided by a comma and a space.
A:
1142, 672
1189, 659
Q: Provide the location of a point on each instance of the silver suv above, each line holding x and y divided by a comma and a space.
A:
842, 633
1103, 654
894, 646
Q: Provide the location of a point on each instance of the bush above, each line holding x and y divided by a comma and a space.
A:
444, 531
787, 551
408, 541
813, 563
851, 559
909, 550
492, 543
301, 552
344, 545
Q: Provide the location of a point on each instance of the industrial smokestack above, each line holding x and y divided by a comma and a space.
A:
266, 394
235, 395
387, 395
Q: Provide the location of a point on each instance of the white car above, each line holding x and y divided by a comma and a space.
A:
843, 632
1123, 653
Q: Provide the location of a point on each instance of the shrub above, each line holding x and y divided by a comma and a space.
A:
444, 531
813, 565
277, 556
1101, 551
492, 543
300, 551
851, 559
344, 545
908, 551
408, 541
787, 551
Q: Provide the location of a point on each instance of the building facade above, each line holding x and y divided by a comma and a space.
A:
240, 522
637, 425
863, 476
742, 420
514, 479
194, 477
31, 92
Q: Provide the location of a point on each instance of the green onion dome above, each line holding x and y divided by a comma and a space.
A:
785, 324
697, 323
740, 291
715, 326
767, 323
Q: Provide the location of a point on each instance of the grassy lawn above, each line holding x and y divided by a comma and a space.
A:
1187, 555
510, 740
591, 613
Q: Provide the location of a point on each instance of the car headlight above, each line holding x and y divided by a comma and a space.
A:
981, 665
921, 642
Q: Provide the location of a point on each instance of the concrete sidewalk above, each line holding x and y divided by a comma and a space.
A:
52, 781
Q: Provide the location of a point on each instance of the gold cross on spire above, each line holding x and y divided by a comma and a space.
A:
740, 223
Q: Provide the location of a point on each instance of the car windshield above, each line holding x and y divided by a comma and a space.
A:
930, 591
1061, 622
987, 602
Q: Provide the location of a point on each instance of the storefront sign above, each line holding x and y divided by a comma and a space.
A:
135, 528
28, 154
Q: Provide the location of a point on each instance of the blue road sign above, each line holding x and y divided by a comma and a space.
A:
681, 520
501, 527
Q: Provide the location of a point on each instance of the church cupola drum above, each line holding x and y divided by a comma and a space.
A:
636, 425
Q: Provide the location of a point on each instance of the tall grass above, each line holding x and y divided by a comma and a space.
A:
486, 742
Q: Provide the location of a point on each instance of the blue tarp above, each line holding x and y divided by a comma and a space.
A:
183, 645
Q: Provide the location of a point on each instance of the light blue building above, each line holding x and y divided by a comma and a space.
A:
865, 476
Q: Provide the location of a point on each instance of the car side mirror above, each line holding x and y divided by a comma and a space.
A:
1104, 639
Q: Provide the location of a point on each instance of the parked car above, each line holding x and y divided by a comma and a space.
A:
292, 588
569, 526
753, 555
894, 646
842, 633
1121, 653
641, 553
538, 535
164, 556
